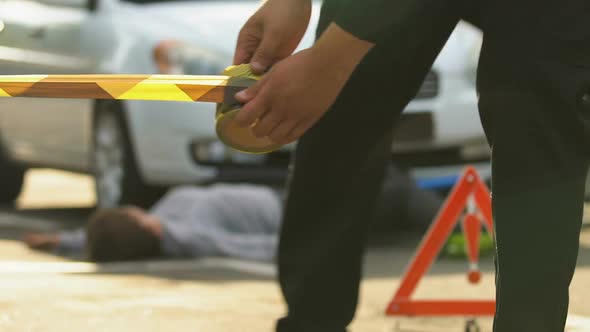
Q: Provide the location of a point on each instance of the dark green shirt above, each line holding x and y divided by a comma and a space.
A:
372, 20
561, 26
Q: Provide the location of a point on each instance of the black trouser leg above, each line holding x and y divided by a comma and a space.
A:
325, 226
338, 169
534, 115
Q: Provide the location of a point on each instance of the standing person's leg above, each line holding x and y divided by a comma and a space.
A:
533, 111
337, 172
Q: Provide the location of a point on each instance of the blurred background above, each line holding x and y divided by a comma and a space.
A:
134, 148
63, 159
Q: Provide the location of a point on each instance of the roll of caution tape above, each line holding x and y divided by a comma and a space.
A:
239, 138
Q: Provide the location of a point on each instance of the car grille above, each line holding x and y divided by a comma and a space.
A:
414, 128
430, 86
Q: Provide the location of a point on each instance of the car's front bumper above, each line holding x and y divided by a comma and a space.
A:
454, 119
176, 143
444, 177
161, 135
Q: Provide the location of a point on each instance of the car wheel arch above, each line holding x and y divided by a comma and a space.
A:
119, 108
127, 179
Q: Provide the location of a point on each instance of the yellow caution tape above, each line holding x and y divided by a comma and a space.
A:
217, 89
120, 87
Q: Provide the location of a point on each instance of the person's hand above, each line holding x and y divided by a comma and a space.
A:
41, 241
289, 99
298, 90
272, 33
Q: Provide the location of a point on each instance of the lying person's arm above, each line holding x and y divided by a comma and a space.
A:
71, 242
64, 242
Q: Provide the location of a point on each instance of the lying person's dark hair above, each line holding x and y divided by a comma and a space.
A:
120, 235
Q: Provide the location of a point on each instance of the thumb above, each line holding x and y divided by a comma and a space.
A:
265, 54
248, 94
254, 103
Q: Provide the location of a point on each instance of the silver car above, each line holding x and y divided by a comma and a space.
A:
134, 148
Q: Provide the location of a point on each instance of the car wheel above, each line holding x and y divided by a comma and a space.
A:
11, 177
116, 176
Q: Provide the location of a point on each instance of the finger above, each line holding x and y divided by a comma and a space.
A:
265, 125
266, 53
248, 42
297, 131
280, 133
241, 55
251, 92
253, 110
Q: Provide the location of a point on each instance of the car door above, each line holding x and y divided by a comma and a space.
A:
45, 38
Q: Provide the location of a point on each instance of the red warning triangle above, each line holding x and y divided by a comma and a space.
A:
469, 193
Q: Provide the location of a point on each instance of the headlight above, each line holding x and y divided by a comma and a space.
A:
177, 58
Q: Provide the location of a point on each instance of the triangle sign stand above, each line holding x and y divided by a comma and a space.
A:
470, 195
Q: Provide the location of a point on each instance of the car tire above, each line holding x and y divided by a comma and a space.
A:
12, 178
117, 180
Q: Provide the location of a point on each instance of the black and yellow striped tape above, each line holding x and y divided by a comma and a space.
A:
217, 89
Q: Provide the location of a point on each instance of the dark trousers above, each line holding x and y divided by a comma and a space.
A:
536, 113
540, 141
338, 169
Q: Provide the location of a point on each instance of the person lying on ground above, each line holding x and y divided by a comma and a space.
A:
231, 220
